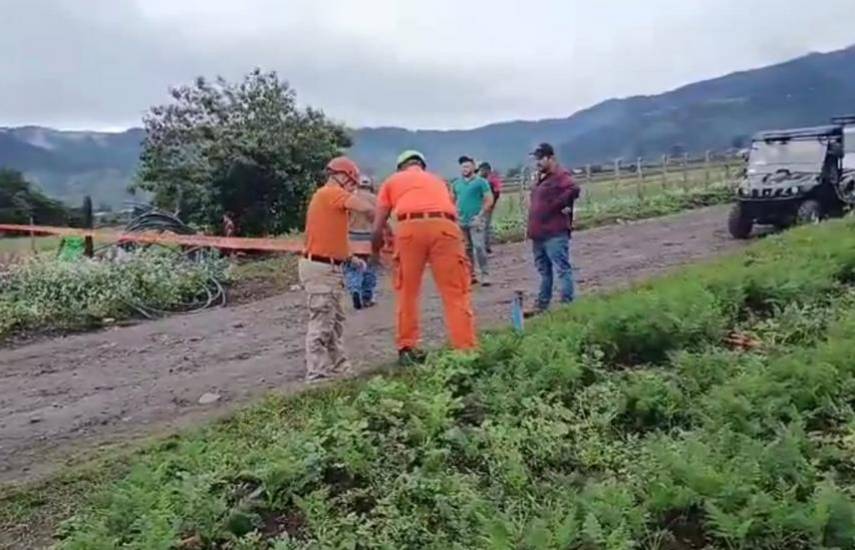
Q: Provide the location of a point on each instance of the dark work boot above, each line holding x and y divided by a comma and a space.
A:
357, 300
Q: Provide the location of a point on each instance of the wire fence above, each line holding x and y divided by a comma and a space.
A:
668, 171
624, 186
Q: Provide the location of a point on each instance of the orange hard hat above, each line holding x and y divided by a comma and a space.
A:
343, 165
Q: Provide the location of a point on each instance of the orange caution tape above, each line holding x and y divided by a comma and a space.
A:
292, 246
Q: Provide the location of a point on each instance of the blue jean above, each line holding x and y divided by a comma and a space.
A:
489, 237
474, 234
549, 254
362, 282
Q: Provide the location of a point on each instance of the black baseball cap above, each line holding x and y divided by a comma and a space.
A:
465, 158
543, 150
486, 165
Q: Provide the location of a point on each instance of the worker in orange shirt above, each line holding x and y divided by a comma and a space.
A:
426, 233
326, 252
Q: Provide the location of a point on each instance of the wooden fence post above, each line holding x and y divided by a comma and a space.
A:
617, 177
664, 172
639, 177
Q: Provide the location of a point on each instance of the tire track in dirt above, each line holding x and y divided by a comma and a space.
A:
62, 396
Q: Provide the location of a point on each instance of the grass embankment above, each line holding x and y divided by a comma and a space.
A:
713, 407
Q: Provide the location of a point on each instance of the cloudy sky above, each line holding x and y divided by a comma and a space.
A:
445, 64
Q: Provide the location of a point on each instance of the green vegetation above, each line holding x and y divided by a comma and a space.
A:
713, 407
23, 246
20, 202
48, 293
245, 148
511, 218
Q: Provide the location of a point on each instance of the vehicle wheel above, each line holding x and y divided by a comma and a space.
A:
810, 212
739, 223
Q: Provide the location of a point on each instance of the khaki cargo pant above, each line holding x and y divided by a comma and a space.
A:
325, 356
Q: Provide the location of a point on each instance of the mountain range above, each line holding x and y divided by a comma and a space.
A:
712, 114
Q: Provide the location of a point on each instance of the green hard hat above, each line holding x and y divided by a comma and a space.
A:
408, 155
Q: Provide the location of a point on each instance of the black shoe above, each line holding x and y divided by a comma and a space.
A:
357, 300
368, 302
408, 357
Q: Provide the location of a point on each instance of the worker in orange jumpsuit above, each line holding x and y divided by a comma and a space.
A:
326, 253
426, 233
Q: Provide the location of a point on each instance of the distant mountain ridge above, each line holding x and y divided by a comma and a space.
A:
70, 165
712, 114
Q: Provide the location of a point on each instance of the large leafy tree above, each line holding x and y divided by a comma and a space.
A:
243, 148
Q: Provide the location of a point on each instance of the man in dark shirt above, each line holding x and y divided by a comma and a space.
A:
550, 220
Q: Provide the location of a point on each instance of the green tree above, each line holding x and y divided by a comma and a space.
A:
243, 148
19, 201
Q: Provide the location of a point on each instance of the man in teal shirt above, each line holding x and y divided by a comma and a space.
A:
474, 199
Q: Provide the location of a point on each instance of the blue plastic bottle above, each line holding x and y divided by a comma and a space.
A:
517, 311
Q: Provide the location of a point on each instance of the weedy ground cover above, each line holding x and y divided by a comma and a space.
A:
712, 408
49, 293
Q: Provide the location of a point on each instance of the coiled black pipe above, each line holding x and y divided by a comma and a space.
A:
212, 292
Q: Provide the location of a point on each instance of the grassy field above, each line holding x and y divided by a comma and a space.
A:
18, 248
23, 246
511, 214
712, 408
626, 193
654, 182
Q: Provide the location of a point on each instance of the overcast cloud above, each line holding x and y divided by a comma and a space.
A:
441, 64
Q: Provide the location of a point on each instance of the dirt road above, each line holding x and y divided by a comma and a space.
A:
66, 394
